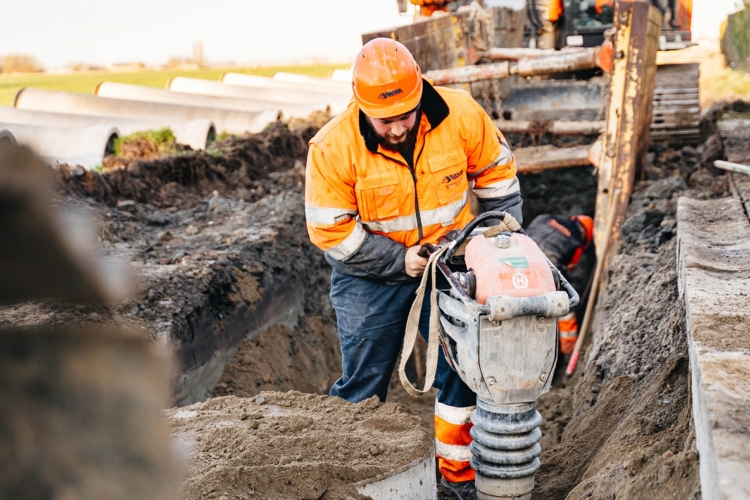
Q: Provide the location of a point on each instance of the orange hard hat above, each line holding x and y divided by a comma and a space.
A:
386, 80
588, 224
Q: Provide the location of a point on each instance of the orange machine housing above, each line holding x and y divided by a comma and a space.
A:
520, 270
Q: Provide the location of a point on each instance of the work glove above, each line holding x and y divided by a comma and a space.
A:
507, 224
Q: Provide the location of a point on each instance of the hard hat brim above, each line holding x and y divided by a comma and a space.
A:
398, 106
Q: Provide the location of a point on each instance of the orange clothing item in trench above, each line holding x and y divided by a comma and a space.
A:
355, 187
554, 10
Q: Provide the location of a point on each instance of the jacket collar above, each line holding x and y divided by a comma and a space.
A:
433, 106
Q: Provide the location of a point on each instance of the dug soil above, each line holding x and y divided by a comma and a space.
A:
281, 446
228, 281
220, 254
622, 427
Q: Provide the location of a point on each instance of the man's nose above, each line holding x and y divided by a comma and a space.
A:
397, 128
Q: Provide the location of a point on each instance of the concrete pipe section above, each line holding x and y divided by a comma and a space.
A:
342, 75
195, 133
127, 91
273, 91
234, 122
6, 139
335, 85
311, 84
85, 146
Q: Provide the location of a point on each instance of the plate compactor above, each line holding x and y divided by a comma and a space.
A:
495, 322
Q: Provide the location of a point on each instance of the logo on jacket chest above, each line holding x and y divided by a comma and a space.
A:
452, 177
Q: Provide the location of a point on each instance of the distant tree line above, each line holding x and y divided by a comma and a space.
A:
19, 63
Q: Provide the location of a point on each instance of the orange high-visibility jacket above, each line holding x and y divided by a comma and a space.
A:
554, 10
437, 3
364, 205
429, 7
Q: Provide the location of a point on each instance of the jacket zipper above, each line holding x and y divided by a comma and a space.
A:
416, 194
416, 204
416, 197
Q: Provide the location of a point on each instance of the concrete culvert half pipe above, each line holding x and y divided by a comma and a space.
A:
127, 91
290, 81
234, 122
337, 85
85, 146
6, 139
272, 92
194, 133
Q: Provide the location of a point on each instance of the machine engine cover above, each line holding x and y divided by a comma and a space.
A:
520, 270
507, 355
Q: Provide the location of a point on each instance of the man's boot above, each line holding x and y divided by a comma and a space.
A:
463, 491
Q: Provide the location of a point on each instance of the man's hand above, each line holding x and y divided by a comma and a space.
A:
414, 264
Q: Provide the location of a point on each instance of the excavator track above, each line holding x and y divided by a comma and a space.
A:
676, 112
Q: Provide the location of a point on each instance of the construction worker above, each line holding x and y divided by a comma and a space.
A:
389, 174
563, 241
429, 7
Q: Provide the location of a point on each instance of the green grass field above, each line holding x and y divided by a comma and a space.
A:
723, 84
86, 82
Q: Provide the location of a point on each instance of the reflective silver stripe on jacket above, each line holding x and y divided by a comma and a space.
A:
452, 414
499, 189
351, 244
442, 215
506, 156
452, 451
330, 216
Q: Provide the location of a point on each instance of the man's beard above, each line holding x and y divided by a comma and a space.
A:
405, 147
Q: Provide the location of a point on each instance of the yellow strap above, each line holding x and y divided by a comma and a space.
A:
412, 329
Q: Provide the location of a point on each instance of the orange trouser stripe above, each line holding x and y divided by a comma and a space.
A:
455, 435
455, 472
568, 327
449, 433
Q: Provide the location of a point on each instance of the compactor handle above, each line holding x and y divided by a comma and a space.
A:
573, 297
549, 305
466, 232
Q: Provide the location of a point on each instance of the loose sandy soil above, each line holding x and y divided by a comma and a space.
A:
281, 446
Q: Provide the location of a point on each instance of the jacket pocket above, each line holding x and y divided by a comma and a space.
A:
377, 197
449, 174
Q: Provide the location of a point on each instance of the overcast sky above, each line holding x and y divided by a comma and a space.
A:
241, 31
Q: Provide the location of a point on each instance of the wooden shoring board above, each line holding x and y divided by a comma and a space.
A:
625, 143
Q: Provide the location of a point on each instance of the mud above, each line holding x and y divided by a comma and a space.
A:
292, 445
228, 281
622, 427
220, 254
260, 365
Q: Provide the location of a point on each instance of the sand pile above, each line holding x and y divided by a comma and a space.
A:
291, 446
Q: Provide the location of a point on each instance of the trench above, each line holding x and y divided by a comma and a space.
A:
230, 282
287, 339
607, 429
